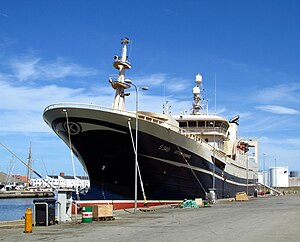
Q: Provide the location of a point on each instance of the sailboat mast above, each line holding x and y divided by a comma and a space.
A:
28, 165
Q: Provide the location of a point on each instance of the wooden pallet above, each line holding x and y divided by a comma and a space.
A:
110, 218
241, 197
102, 211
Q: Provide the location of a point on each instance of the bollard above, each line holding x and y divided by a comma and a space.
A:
28, 221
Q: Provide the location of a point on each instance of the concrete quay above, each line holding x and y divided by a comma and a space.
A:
259, 219
26, 194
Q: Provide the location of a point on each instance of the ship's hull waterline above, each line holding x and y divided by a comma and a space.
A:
172, 166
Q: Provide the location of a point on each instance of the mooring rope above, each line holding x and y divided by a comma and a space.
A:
138, 167
182, 155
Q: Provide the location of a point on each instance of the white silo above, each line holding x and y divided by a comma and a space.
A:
279, 176
263, 178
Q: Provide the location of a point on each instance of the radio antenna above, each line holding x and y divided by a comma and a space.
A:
215, 93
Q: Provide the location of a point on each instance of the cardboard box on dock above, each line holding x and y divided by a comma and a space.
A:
102, 211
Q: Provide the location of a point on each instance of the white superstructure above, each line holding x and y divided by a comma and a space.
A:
218, 132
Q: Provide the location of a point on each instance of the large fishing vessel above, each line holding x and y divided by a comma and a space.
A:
178, 157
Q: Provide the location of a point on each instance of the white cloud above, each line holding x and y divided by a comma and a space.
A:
3, 15
22, 104
257, 124
24, 69
245, 115
288, 92
153, 80
277, 109
22, 121
32, 98
22, 107
285, 150
221, 111
290, 143
163, 80
33, 68
231, 63
170, 11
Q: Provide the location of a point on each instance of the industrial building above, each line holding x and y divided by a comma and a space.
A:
279, 177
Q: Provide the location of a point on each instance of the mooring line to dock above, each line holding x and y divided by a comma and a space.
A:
138, 167
182, 155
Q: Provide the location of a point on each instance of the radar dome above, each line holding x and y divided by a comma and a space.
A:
196, 90
198, 79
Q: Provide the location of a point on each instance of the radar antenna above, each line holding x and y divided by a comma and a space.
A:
125, 41
197, 105
121, 63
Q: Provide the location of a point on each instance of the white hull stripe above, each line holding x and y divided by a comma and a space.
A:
197, 169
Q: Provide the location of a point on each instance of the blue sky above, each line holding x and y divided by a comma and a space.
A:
58, 51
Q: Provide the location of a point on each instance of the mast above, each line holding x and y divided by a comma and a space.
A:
28, 165
121, 63
197, 105
166, 107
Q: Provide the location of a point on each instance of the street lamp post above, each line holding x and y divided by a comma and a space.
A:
214, 154
275, 174
214, 161
264, 179
247, 174
136, 138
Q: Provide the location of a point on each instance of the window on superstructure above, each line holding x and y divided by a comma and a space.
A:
201, 124
224, 126
192, 124
218, 124
182, 124
210, 123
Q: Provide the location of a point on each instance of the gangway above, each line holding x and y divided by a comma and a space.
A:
270, 188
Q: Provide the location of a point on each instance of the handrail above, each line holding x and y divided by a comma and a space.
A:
76, 210
85, 105
209, 129
140, 116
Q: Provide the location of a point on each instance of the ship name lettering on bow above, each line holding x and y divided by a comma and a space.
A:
164, 148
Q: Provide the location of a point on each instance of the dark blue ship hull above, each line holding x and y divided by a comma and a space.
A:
109, 160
